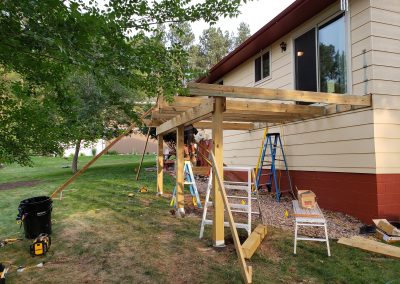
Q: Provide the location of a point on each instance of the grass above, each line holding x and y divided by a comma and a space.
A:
102, 235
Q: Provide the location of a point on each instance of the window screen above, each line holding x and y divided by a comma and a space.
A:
257, 65
265, 65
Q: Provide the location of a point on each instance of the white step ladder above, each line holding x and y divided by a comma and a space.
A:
242, 192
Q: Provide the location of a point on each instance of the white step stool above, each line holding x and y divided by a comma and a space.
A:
309, 218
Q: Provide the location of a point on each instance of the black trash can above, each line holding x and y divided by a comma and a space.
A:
35, 213
2, 280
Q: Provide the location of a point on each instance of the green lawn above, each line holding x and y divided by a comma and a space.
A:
102, 235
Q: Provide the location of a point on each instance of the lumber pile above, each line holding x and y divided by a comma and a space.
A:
386, 231
371, 246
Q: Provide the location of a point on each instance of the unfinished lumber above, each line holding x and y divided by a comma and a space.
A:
212, 90
85, 167
181, 101
372, 246
386, 227
180, 176
144, 152
160, 164
218, 152
247, 271
190, 116
254, 240
225, 125
264, 107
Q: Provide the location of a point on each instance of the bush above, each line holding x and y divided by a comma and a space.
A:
113, 152
94, 151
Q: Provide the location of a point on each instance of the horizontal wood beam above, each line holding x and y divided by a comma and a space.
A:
225, 125
190, 116
180, 101
152, 122
212, 90
249, 107
269, 119
265, 113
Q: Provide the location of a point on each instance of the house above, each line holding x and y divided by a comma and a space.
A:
350, 159
131, 144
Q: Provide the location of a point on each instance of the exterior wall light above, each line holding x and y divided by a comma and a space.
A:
283, 46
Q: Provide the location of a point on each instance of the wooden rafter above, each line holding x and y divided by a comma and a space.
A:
225, 125
190, 116
212, 90
250, 107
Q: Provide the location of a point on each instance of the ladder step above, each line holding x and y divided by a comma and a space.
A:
244, 212
237, 187
233, 205
241, 197
236, 182
226, 224
270, 174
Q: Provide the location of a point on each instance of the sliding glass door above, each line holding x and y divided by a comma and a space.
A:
322, 66
305, 62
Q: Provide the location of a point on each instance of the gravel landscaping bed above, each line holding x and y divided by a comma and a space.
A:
273, 214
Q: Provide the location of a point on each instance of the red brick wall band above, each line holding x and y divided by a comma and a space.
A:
365, 196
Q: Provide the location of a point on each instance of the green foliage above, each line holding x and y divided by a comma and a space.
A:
215, 44
25, 114
243, 33
115, 50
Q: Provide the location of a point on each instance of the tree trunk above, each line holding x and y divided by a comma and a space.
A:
74, 165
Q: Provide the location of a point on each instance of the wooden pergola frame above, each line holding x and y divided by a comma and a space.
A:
220, 108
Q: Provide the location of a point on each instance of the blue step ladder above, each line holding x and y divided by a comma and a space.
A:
188, 180
273, 143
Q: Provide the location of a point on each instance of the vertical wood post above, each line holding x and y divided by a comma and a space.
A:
218, 151
144, 152
180, 148
160, 164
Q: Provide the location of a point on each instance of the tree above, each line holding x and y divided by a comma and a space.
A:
95, 110
243, 33
29, 121
181, 34
46, 41
213, 46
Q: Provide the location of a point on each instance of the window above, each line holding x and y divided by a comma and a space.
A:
262, 67
332, 56
322, 66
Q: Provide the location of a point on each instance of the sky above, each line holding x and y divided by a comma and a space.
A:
256, 13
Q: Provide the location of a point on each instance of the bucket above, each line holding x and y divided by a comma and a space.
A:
2, 280
35, 213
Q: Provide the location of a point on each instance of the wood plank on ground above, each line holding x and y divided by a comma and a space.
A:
371, 245
254, 240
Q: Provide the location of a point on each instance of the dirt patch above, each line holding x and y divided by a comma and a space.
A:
15, 184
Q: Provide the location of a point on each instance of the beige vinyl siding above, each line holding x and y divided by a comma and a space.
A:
337, 143
384, 82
